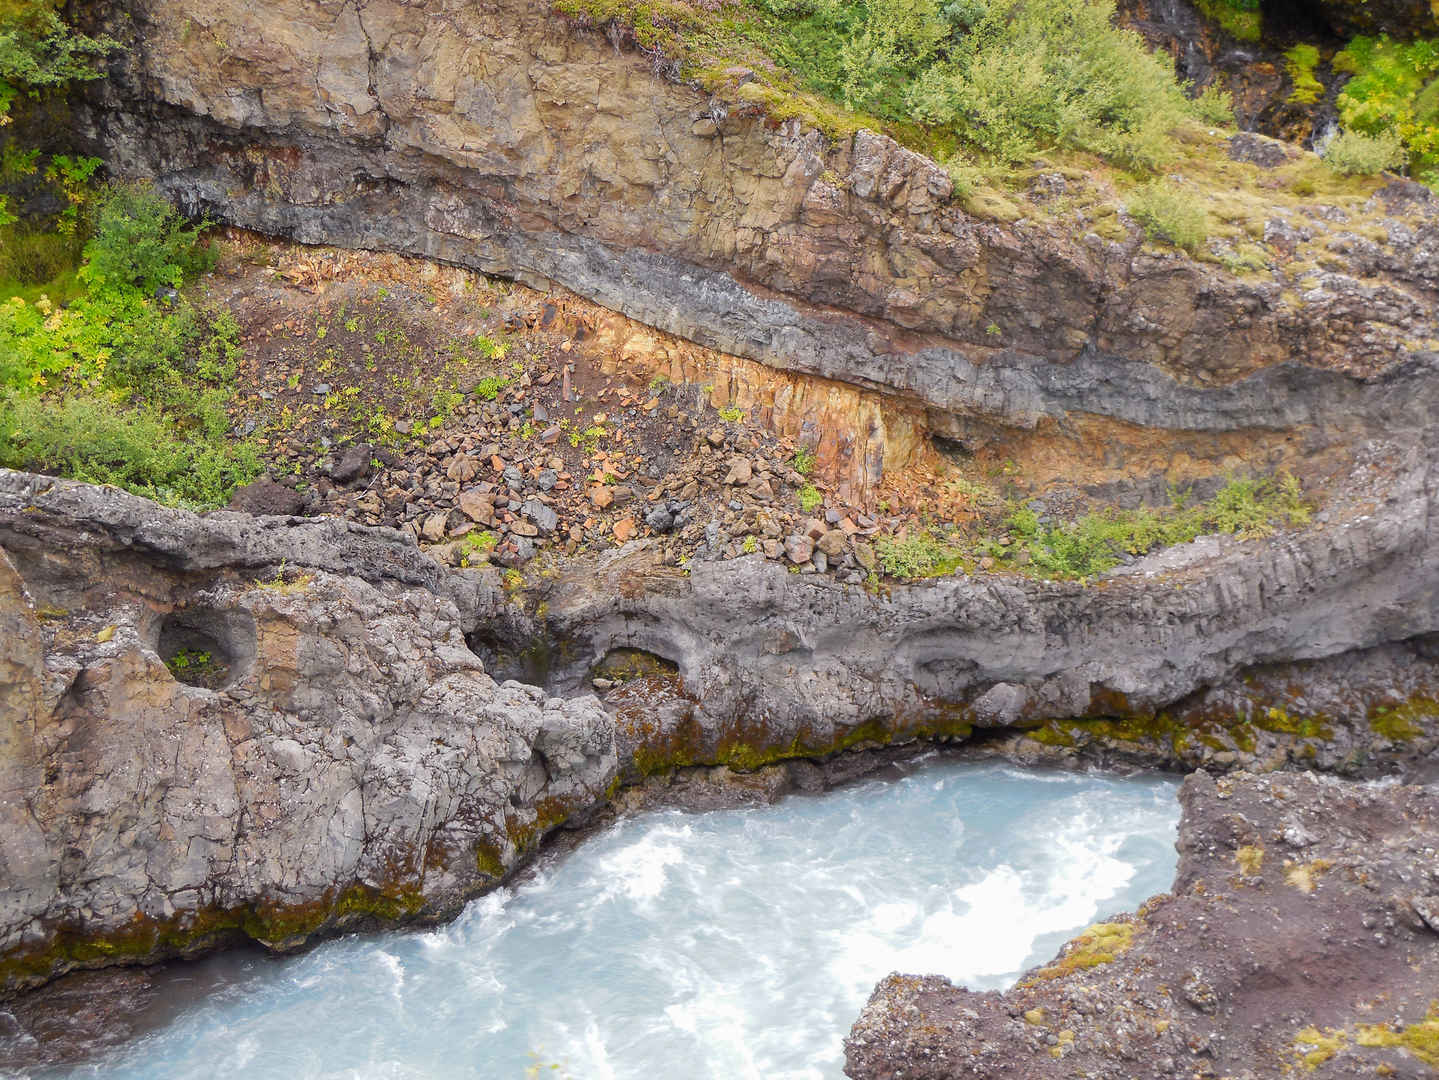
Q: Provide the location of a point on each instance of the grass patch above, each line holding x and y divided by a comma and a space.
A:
1102, 943
1169, 215
1246, 506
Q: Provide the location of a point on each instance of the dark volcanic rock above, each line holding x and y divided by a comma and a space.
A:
1293, 940
265, 498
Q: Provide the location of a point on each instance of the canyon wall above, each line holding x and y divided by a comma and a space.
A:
501, 137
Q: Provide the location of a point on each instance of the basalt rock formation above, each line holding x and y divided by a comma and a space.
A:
193, 752
227, 726
503, 138
1301, 936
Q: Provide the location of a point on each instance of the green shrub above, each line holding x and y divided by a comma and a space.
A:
140, 242
1033, 73
809, 498
1394, 91
1169, 215
1352, 153
915, 555
119, 387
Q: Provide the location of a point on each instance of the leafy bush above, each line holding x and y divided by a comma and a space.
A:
1167, 214
141, 243
1032, 73
120, 387
916, 555
809, 498
1352, 153
1394, 91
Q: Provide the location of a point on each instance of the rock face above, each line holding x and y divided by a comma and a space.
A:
1176, 642
502, 138
231, 727
1297, 937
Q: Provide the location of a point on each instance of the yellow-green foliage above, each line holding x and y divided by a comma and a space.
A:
1100, 944
1420, 1039
1394, 92
1239, 18
1300, 62
1004, 78
1250, 858
1169, 215
1352, 153
1316, 1047
122, 387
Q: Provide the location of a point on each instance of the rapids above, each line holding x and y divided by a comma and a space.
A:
729, 944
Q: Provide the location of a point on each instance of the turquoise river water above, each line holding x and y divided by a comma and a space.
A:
732, 945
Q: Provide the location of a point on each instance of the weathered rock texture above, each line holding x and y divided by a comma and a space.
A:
1301, 934
1183, 646
353, 762
499, 137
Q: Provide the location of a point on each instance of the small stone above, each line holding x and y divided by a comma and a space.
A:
547, 479
660, 519
523, 528
864, 555
814, 529
600, 496
478, 506
716, 437
463, 469
740, 471
820, 561
799, 549
624, 529
433, 529
832, 543
542, 515
550, 435
986, 563
320, 389
773, 549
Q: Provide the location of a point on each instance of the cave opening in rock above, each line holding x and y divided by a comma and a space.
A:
503, 659
1290, 22
626, 664
206, 647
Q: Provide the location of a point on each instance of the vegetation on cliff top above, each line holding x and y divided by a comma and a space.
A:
999, 80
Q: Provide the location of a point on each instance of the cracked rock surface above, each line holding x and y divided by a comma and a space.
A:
349, 761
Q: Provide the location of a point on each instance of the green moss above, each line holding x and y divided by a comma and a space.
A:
747, 747
1420, 1040
1101, 944
147, 939
1300, 62
1238, 18
1305, 727
1400, 723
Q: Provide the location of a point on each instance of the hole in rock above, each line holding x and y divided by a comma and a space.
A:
626, 664
503, 661
207, 647
949, 448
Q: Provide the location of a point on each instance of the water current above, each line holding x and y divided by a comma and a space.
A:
731, 945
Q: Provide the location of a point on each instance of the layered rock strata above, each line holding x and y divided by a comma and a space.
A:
1301, 937
500, 137
229, 726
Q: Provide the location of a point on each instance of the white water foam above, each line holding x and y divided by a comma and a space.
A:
720, 946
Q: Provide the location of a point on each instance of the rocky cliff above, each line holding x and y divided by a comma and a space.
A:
230, 726
227, 728
1301, 935
502, 137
